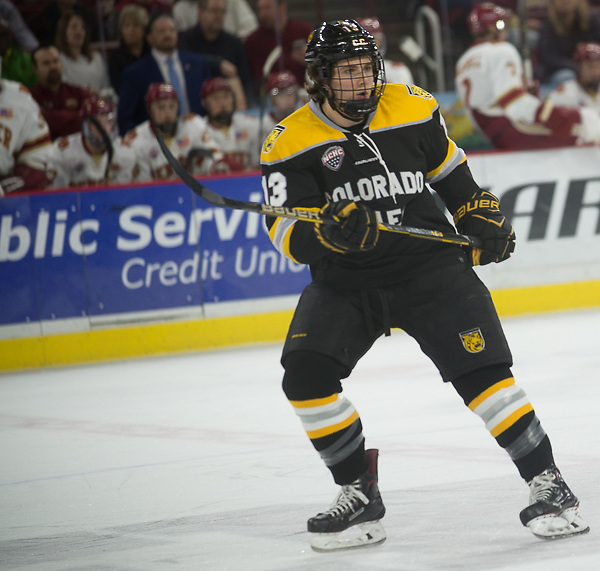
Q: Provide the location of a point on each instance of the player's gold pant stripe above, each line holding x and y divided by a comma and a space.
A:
489, 392
314, 402
312, 434
511, 419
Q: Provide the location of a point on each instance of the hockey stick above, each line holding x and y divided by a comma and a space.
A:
262, 92
110, 151
525, 50
299, 213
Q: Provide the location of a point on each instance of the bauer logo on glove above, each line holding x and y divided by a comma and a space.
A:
481, 217
356, 231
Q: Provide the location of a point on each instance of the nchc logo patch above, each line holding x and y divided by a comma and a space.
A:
332, 158
473, 340
273, 136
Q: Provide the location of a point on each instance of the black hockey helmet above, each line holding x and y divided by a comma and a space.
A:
332, 42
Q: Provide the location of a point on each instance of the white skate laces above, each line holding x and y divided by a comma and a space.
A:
353, 518
349, 499
553, 508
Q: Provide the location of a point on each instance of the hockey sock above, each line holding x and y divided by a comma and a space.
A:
312, 385
492, 394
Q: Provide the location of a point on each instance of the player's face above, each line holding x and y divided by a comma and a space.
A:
219, 103
285, 101
589, 73
163, 35
107, 122
164, 111
352, 79
48, 66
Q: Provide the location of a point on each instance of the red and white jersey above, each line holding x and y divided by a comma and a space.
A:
24, 134
192, 145
571, 94
70, 163
397, 72
490, 84
489, 79
241, 140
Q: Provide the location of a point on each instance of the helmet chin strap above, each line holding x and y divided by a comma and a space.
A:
357, 109
591, 85
167, 128
353, 109
223, 118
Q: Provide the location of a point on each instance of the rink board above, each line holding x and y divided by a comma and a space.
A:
96, 274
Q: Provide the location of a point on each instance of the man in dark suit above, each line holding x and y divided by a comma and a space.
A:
209, 38
186, 71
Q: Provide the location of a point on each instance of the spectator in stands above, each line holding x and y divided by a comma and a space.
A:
81, 65
584, 90
132, 42
186, 136
208, 38
16, 63
91, 157
154, 7
240, 20
236, 133
26, 140
61, 103
107, 20
395, 71
490, 84
44, 24
535, 14
283, 93
276, 29
186, 71
569, 22
23, 36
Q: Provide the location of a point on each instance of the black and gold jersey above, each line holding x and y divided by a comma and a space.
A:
388, 163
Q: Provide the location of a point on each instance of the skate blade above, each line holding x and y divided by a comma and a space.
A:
553, 526
360, 535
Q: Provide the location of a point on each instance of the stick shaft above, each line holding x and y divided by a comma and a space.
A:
300, 213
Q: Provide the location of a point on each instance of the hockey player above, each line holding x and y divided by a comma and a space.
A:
395, 71
584, 91
358, 155
235, 132
284, 98
24, 140
490, 84
94, 156
187, 136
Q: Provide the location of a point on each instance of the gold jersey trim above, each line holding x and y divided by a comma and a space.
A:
400, 106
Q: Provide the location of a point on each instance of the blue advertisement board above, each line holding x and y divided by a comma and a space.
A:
105, 251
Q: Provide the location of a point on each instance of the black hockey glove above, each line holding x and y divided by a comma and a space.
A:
357, 230
481, 217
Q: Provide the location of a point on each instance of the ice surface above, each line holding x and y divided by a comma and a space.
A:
198, 462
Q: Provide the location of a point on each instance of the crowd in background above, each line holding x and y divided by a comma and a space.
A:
87, 84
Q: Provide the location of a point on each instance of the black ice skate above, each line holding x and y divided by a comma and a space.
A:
353, 519
553, 510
